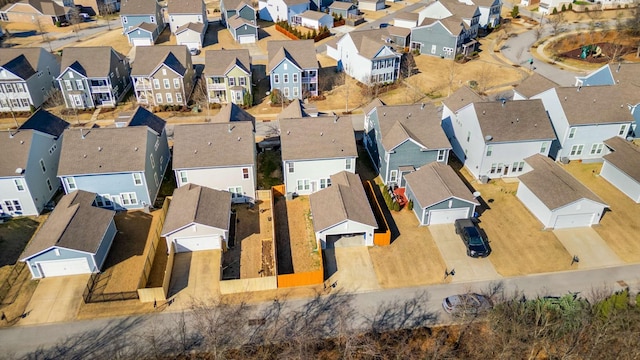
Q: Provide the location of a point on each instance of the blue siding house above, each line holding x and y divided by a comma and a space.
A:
75, 239
142, 21
123, 165
400, 139
29, 164
293, 68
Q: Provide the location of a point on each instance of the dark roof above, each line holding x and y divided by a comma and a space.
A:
138, 7
194, 204
514, 120
148, 58
418, 122
143, 117
372, 105
20, 67
300, 52
437, 182
232, 112
298, 109
32, 54
461, 98
213, 145
317, 138
344, 200
96, 61
185, 7
625, 156
45, 122
552, 185
534, 85
219, 62
74, 224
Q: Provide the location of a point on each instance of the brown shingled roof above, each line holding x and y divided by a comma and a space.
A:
418, 122
317, 138
437, 182
194, 204
301, 52
219, 62
185, 7
596, 104
96, 60
138, 7
514, 120
461, 98
534, 85
625, 156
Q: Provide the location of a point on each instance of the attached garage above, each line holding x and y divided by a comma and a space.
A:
64, 267
141, 42
197, 243
247, 39
345, 240
143, 34
621, 167
571, 221
438, 195
243, 30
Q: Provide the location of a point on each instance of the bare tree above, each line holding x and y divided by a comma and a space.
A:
107, 11
75, 19
556, 21
43, 32
200, 95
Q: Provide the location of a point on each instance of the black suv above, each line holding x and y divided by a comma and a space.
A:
477, 245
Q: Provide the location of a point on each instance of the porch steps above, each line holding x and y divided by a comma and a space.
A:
94, 117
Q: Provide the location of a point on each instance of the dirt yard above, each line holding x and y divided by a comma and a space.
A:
620, 224
297, 249
113, 38
613, 44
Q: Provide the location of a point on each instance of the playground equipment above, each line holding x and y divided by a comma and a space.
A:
593, 50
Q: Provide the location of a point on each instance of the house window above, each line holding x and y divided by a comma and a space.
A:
117, 72
19, 184
99, 201
290, 167
107, 200
42, 166
245, 173
153, 161
236, 192
156, 145
183, 177
347, 164
67, 85
167, 83
137, 179
179, 97
169, 98
242, 80
156, 83
285, 91
493, 168
325, 183
623, 130
441, 155
70, 76
79, 84
152, 19
520, 165
596, 149
489, 150
176, 83
499, 169
129, 198
71, 183
124, 20
49, 185
468, 135
572, 132
303, 185
543, 148
159, 98
52, 149
155, 179
295, 92
576, 150
232, 81
285, 78
13, 205
276, 78
393, 176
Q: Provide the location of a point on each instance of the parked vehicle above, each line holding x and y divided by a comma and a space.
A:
477, 245
194, 51
467, 304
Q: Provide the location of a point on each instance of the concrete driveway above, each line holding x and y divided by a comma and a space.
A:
455, 256
351, 268
591, 249
56, 299
195, 277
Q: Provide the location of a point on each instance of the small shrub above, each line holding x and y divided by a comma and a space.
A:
570, 8
410, 205
396, 206
563, 8
555, 11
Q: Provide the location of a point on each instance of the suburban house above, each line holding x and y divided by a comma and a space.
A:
371, 5
489, 12
368, 56
75, 238
163, 75
93, 77
314, 20
298, 109
401, 139
142, 21
45, 12
183, 12
346, 9
313, 149
341, 213
124, 165
240, 18
438, 195
198, 219
621, 167
219, 156
320, 5
282, 10
27, 76
29, 164
407, 20
228, 76
293, 68
533, 87
546, 6
97, 7
191, 35
446, 28
492, 139
556, 198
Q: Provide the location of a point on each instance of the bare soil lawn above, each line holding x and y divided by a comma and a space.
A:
113, 38
115, 308
297, 249
519, 245
620, 225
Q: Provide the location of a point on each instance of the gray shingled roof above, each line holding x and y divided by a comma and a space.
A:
300, 52
149, 57
553, 185
219, 62
194, 204
627, 73
197, 27
138, 7
406, 16
420, 123
514, 120
341, 5
235, 4
461, 98
596, 104
437, 182
534, 85
295, 2
236, 21
314, 15
459, 8
96, 61
625, 156
74, 224
185, 7
297, 109
369, 42
344, 200
213, 145
372, 105
317, 138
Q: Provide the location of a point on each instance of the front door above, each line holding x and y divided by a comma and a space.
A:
506, 170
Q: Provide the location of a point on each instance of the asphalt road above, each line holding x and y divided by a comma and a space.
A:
66, 38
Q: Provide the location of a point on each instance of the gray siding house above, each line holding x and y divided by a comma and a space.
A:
75, 239
293, 68
124, 165
438, 194
29, 164
242, 30
621, 167
142, 21
240, 18
93, 77
27, 76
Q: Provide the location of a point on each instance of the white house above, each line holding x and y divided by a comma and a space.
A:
489, 12
342, 214
183, 12
556, 198
371, 5
443, 9
314, 20
198, 219
406, 20
191, 35
282, 10
313, 149
219, 156
621, 167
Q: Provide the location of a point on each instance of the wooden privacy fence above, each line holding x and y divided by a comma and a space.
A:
278, 190
154, 236
382, 235
159, 293
304, 278
9, 292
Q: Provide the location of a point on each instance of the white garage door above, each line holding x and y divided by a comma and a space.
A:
64, 267
447, 216
197, 243
246, 39
569, 221
142, 42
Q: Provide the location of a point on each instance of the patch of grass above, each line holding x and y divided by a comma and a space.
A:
14, 236
269, 169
